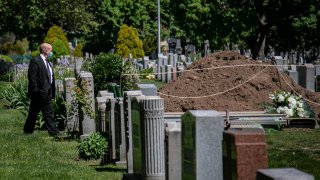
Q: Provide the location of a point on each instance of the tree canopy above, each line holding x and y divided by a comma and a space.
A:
255, 24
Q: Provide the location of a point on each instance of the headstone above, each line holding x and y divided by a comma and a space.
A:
293, 73
127, 98
79, 62
282, 64
307, 76
88, 123
170, 59
202, 145
110, 119
72, 117
168, 73
148, 137
165, 60
173, 150
183, 58
244, 152
148, 89
174, 73
163, 73
175, 60
120, 132
146, 62
104, 93
283, 174
59, 87
159, 74
100, 110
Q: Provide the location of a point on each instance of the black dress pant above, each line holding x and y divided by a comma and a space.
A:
44, 105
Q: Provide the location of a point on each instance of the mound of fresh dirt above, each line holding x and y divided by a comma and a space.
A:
228, 80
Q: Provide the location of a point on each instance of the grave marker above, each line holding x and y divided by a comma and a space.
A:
201, 147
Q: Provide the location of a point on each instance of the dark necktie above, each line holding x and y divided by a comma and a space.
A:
48, 69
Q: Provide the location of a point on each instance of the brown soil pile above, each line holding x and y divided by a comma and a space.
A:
228, 80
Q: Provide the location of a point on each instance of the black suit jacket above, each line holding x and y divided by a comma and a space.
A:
39, 82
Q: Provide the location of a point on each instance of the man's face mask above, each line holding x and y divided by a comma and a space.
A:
50, 55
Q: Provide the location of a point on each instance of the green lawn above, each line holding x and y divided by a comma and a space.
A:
298, 148
39, 156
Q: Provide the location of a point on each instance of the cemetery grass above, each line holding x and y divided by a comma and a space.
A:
39, 156
295, 147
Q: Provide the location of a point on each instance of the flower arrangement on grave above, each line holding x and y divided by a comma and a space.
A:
289, 104
151, 76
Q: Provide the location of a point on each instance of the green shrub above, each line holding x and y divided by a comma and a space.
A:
6, 58
59, 48
150, 45
130, 77
35, 53
128, 42
106, 68
92, 147
78, 51
109, 68
54, 33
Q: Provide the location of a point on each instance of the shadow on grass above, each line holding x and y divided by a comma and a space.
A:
109, 168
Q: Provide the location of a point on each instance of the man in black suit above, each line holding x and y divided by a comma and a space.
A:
41, 91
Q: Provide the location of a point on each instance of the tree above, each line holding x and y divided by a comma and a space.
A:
58, 40
128, 42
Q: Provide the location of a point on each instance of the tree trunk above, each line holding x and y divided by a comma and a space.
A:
259, 44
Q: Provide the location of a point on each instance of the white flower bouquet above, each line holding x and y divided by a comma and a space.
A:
286, 103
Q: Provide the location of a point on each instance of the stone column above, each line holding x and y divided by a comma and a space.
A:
88, 123
201, 145
153, 137
148, 137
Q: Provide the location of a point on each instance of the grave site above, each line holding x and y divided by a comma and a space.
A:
227, 80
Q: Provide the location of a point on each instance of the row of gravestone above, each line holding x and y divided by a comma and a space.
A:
306, 75
166, 66
195, 148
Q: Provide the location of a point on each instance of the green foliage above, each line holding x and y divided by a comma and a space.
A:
59, 48
21, 46
145, 72
129, 77
6, 58
56, 35
16, 96
35, 53
128, 42
105, 68
150, 45
92, 147
78, 51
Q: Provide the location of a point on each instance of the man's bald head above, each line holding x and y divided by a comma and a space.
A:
45, 49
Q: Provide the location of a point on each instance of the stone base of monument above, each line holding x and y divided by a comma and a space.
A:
283, 174
303, 123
